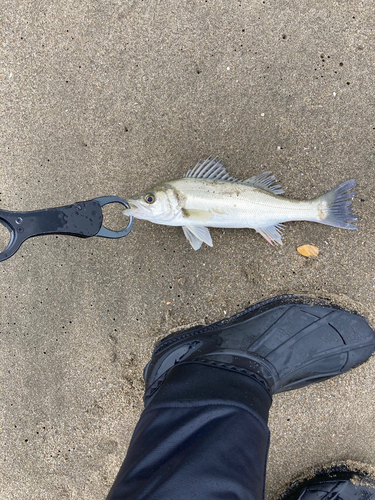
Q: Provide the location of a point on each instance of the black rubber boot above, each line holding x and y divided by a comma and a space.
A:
285, 343
334, 485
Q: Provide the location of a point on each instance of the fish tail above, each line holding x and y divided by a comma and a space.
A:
335, 205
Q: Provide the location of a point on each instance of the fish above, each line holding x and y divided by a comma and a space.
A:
208, 196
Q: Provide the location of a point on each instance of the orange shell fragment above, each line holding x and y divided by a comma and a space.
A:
308, 251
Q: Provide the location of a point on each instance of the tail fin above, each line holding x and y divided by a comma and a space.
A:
338, 200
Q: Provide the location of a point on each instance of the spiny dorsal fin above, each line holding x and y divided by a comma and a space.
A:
213, 169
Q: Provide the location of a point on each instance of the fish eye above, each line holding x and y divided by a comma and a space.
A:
149, 198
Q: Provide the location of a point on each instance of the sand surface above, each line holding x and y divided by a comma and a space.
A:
109, 98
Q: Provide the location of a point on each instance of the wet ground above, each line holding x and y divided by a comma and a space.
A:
108, 98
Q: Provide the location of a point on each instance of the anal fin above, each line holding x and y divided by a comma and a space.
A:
271, 233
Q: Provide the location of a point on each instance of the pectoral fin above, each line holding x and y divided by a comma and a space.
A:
197, 235
271, 233
196, 215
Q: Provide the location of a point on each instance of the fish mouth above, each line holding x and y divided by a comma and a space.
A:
136, 209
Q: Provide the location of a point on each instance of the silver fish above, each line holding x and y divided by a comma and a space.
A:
208, 196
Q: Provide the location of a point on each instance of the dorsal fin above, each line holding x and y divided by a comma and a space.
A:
264, 181
213, 169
